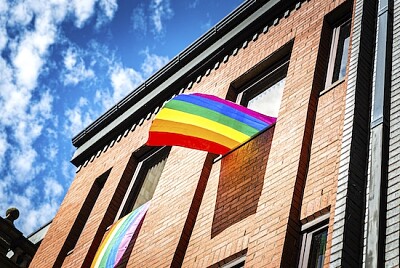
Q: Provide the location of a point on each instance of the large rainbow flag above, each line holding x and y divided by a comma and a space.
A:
123, 232
205, 122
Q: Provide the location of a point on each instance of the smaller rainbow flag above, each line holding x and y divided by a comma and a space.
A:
121, 234
205, 122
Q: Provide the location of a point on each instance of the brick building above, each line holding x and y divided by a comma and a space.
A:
319, 187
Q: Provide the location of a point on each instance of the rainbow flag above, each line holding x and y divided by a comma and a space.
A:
205, 122
113, 247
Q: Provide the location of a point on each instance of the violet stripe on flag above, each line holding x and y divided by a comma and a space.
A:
267, 119
121, 234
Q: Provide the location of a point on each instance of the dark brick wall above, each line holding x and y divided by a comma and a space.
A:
348, 232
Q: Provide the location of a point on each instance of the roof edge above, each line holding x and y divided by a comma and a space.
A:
189, 61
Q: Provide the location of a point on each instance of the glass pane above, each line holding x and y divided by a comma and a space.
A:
154, 166
342, 51
317, 251
268, 101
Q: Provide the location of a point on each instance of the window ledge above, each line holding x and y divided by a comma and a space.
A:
332, 86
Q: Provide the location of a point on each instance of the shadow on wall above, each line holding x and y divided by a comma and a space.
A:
241, 181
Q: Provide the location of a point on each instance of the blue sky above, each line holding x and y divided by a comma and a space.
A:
65, 62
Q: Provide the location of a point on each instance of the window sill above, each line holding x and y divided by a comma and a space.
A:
332, 86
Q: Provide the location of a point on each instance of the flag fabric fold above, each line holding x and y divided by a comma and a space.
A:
205, 122
121, 234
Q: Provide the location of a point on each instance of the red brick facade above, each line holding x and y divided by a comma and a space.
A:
254, 200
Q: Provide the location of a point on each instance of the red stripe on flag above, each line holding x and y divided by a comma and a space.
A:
172, 139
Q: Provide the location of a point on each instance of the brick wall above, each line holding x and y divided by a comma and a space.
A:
240, 182
305, 141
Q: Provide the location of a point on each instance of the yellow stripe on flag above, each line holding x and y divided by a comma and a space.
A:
201, 122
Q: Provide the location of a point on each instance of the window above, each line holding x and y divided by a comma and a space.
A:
339, 53
238, 263
313, 246
144, 181
264, 93
235, 261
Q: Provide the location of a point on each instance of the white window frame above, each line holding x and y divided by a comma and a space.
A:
308, 230
235, 262
269, 77
332, 55
137, 175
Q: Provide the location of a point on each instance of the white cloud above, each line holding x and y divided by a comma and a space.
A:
70, 59
68, 170
161, 11
40, 215
52, 188
76, 118
27, 65
83, 11
152, 63
44, 106
139, 20
31, 191
151, 18
51, 151
123, 81
28, 30
109, 8
22, 14
4, 146
3, 22
22, 165
76, 70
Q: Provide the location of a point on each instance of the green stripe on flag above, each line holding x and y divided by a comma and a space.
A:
211, 115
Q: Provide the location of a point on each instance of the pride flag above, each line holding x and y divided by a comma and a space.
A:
121, 234
205, 122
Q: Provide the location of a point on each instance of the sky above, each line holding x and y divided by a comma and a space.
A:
63, 64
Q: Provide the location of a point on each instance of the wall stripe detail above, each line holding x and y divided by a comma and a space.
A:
121, 234
205, 122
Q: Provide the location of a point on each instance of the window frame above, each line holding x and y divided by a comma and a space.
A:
308, 230
235, 263
333, 53
138, 179
263, 81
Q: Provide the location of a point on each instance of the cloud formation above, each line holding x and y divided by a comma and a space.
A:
28, 30
152, 18
78, 117
32, 112
152, 62
160, 11
75, 69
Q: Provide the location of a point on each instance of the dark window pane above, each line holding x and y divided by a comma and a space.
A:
342, 51
317, 251
239, 265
